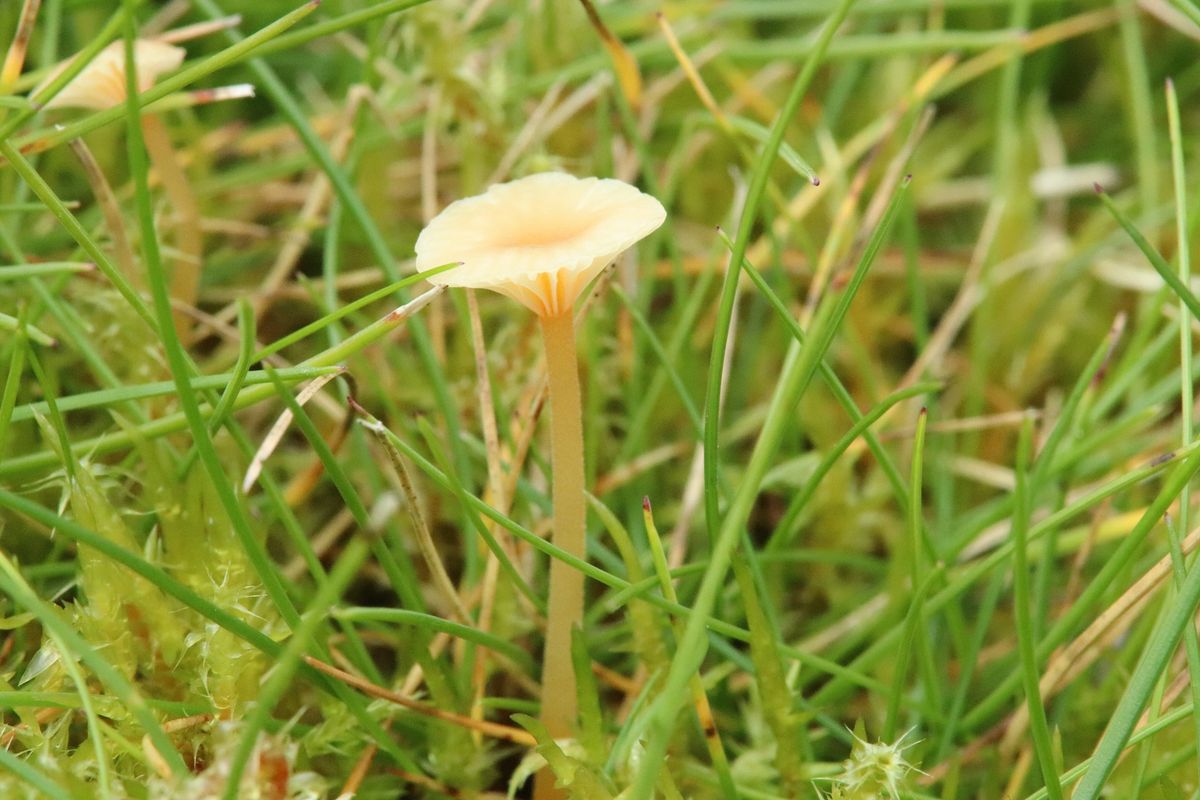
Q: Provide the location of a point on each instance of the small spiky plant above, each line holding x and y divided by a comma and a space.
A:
873, 771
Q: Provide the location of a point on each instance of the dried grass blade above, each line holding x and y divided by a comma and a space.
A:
275, 435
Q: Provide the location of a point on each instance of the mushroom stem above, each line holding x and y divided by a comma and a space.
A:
185, 278
566, 582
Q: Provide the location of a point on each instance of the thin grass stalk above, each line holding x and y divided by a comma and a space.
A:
110, 209
708, 725
178, 421
8, 400
1155, 656
34, 778
495, 494
351, 203
1030, 669
799, 368
448, 482
887, 640
177, 357
758, 185
68, 220
236, 52
1187, 368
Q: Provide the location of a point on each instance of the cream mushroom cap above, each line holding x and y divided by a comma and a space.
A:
101, 84
540, 239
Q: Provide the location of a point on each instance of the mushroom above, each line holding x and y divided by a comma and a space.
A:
541, 240
101, 85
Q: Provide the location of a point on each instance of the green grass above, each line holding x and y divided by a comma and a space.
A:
871, 457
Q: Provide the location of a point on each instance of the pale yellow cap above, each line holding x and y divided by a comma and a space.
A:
101, 84
540, 239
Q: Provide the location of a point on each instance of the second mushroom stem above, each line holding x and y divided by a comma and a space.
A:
185, 277
566, 582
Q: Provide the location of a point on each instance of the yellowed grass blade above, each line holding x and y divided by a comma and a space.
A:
624, 64
14, 61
